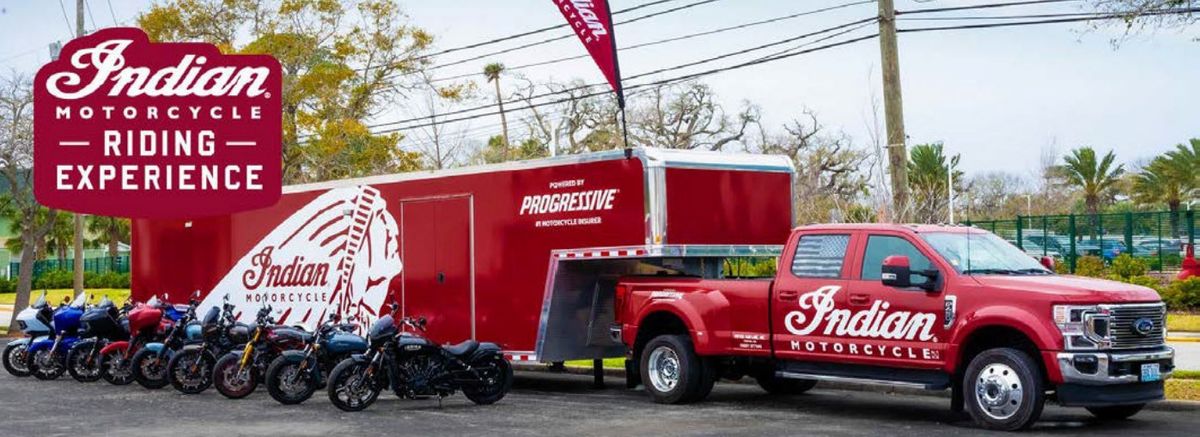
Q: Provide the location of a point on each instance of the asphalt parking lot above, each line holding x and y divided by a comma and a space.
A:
541, 404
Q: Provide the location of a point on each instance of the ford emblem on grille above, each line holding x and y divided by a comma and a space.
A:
1143, 326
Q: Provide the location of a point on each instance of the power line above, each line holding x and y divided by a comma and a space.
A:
112, 12
1110, 16
676, 38
70, 29
690, 64
88, 5
982, 6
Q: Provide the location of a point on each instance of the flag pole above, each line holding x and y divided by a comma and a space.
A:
612, 38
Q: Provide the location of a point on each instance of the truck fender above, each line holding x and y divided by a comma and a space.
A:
690, 309
1023, 321
116, 345
485, 351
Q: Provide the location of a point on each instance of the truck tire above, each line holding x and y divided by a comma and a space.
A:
784, 386
673, 373
1115, 412
1004, 389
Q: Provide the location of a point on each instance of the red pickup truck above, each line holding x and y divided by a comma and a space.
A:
937, 307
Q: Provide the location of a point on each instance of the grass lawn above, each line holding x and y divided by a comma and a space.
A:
609, 363
1183, 322
1183, 389
117, 295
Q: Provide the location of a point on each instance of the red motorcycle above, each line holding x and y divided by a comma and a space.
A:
148, 322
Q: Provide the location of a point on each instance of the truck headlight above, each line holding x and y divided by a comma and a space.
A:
1083, 326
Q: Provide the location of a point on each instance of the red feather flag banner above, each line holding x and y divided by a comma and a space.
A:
592, 22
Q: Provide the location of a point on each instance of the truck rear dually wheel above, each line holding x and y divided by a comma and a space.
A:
673, 373
1004, 389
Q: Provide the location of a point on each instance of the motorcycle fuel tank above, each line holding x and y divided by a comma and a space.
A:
345, 342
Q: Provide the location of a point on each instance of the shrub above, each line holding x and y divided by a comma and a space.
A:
1182, 295
1090, 265
1145, 281
1126, 266
106, 280
54, 279
8, 285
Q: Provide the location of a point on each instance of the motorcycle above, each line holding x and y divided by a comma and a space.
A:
150, 363
295, 375
414, 367
100, 325
190, 369
238, 372
148, 322
47, 357
35, 322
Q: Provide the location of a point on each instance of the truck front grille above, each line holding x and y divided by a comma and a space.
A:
1123, 332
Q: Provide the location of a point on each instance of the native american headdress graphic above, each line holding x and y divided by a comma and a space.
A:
337, 254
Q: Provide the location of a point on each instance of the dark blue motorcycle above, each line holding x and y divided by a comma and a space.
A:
296, 374
47, 358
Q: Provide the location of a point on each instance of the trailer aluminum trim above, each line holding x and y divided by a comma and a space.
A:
651, 157
573, 271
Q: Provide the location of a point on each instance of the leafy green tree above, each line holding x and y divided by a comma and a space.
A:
492, 72
497, 151
343, 62
1094, 177
109, 231
1167, 180
1188, 156
928, 168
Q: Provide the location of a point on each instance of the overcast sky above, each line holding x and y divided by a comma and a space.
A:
997, 96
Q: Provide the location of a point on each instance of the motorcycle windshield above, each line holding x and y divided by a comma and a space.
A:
153, 302
80, 300
40, 302
105, 302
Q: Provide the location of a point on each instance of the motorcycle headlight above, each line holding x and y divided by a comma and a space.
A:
1083, 326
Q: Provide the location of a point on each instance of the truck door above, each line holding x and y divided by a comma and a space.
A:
805, 291
438, 272
905, 323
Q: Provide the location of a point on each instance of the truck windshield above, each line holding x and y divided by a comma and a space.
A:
983, 253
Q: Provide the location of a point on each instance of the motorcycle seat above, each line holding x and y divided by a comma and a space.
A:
464, 348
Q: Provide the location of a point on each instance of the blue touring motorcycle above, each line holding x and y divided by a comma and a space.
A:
47, 357
296, 374
35, 321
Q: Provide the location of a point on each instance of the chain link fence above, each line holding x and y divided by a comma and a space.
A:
1157, 238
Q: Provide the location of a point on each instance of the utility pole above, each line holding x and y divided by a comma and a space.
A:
950, 190
79, 6
893, 108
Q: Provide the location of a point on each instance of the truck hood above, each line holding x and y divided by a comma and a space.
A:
1066, 288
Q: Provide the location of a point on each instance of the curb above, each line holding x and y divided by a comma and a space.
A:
1183, 339
1166, 405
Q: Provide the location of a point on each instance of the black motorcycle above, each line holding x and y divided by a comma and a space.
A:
238, 372
101, 325
190, 369
295, 375
414, 367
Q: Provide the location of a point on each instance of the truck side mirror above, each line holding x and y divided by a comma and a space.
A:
896, 272
1047, 262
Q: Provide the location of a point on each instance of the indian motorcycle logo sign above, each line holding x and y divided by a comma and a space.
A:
337, 254
818, 316
126, 127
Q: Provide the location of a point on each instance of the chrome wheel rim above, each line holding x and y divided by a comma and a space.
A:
354, 390
118, 368
153, 369
291, 382
80, 364
235, 380
998, 391
18, 357
664, 369
45, 361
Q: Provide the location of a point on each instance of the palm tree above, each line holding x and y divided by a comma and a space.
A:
1095, 178
1189, 156
927, 177
109, 231
492, 73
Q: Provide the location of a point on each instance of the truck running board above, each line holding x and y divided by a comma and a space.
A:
862, 374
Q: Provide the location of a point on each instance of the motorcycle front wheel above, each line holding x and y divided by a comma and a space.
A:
15, 361
82, 364
45, 365
288, 383
114, 368
349, 387
232, 382
497, 380
190, 371
149, 369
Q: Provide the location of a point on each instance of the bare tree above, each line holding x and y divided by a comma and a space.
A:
1139, 15
442, 145
685, 116
16, 160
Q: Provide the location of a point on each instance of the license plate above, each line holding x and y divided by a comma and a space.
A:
1150, 372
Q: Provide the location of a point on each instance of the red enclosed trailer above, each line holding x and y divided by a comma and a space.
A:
523, 254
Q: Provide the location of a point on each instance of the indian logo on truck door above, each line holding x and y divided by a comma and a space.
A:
874, 322
337, 254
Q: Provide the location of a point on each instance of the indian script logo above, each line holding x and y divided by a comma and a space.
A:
817, 313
